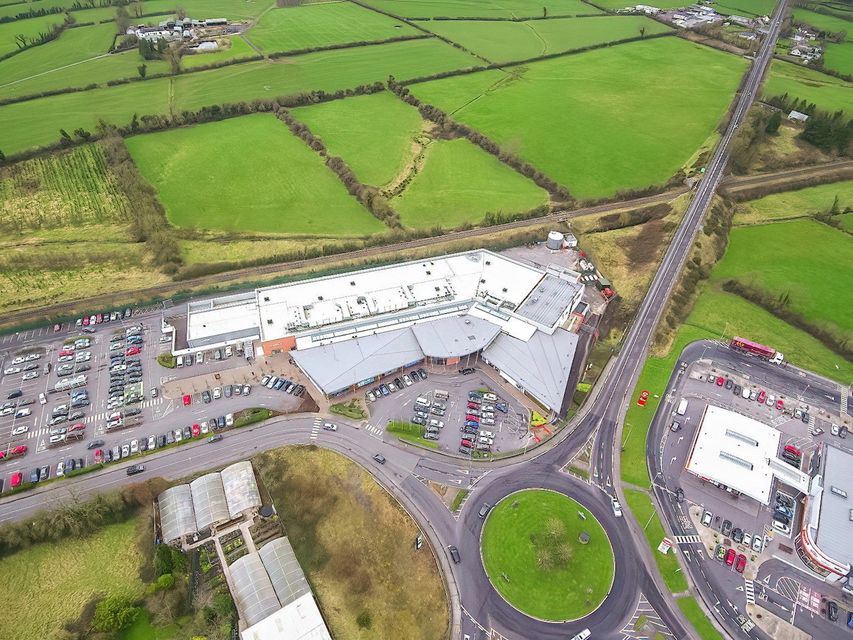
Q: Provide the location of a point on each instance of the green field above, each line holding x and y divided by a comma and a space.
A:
201, 9
282, 186
615, 5
52, 582
30, 28
817, 260
697, 617
533, 557
239, 49
506, 41
320, 25
461, 183
644, 511
745, 8
828, 93
373, 133
790, 204
824, 22
630, 115
38, 122
839, 57
482, 8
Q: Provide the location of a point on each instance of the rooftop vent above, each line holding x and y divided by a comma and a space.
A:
319, 297
504, 289
352, 283
266, 298
467, 322
429, 273
269, 320
482, 281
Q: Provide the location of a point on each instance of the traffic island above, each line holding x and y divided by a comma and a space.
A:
547, 555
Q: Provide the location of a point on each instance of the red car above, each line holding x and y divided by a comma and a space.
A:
779, 404
741, 563
66, 352
15, 481
99, 319
467, 443
196, 430
188, 400
792, 449
472, 418
2, 456
77, 426
762, 396
20, 450
132, 351
99, 456
86, 321
720, 381
730, 557
473, 405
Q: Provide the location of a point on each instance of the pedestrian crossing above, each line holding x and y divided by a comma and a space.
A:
842, 391
749, 589
688, 539
374, 430
315, 429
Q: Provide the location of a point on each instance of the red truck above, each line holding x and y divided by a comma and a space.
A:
760, 350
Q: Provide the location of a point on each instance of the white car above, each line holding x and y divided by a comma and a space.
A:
487, 434
152, 442
407, 380
19, 430
747, 540
32, 356
83, 356
42, 399
178, 435
483, 440
217, 393
8, 411
228, 351
19, 360
205, 427
485, 420
32, 375
491, 397
22, 413
436, 423
199, 358
12, 370
229, 420
60, 469
134, 446
330, 427
617, 508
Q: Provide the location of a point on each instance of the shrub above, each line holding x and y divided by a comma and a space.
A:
114, 613
167, 360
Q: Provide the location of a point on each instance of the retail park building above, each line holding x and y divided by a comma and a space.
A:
349, 330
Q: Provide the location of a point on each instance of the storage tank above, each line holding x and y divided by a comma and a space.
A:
555, 240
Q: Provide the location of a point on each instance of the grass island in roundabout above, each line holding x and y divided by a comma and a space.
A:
544, 558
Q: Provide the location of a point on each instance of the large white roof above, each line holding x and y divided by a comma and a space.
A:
735, 450
474, 275
225, 318
300, 620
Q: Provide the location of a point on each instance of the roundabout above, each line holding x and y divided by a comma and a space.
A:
547, 555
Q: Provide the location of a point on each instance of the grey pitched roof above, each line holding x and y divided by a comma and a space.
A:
253, 590
835, 527
547, 301
177, 517
541, 366
339, 365
284, 571
209, 502
454, 336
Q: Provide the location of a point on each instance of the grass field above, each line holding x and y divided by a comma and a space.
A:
644, 511
839, 57
745, 7
31, 27
319, 25
697, 617
823, 22
817, 260
461, 183
506, 41
38, 122
102, 563
331, 506
231, 9
790, 204
828, 93
614, 108
615, 5
282, 186
533, 557
373, 134
482, 8
238, 48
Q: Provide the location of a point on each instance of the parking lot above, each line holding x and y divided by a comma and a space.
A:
452, 407
737, 532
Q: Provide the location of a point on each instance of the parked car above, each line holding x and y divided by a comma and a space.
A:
737, 535
741, 563
726, 529
730, 557
187, 399
707, 518
466, 371
831, 611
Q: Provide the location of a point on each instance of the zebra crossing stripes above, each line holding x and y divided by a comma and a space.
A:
688, 539
749, 589
315, 430
843, 393
374, 430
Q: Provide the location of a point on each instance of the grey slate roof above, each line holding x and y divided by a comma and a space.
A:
241, 488
284, 571
339, 365
541, 365
454, 336
177, 517
547, 301
835, 528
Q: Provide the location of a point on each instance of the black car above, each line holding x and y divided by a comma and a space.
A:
729, 383
784, 500
805, 417
454, 553
466, 371
17, 393
205, 396
220, 422
465, 450
400, 384
161, 441
132, 412
782, 517
679, 495
299, 390
726, 529
108, 455
170, 438
737, 390
737, 535
188, 433
831, 611
134, 469
422, 374
44, 473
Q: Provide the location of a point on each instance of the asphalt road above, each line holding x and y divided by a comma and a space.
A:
406, 468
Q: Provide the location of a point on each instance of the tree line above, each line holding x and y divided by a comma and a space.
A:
25, 42
450, 128
347, 45
827, 131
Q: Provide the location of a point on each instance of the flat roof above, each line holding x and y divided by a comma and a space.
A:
735, 450
473, 275
454, 336
299, 620
540, 365
221, 319
835, 523
546, 303
339, 365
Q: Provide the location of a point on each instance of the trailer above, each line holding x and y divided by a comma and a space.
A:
760, 350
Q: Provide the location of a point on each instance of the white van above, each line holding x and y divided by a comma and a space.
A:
180, 361
440, 395
682, 407
422, 401
617, 508
583, 635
